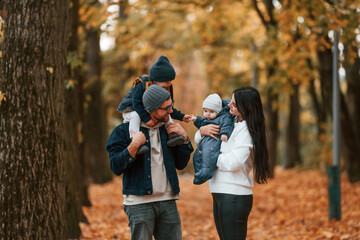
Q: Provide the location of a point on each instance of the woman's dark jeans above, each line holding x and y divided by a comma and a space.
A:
231, 213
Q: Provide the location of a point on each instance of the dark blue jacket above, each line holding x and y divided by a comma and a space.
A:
133, 100
137, 171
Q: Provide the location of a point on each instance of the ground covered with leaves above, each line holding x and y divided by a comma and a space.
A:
293, 205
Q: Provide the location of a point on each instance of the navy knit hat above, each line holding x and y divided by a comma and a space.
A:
162, 70
154, 97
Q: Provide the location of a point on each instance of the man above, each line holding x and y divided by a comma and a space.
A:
150, 182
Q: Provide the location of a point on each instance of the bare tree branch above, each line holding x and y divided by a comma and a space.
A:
265, 23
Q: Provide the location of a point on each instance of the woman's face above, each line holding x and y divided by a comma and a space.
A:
233, 109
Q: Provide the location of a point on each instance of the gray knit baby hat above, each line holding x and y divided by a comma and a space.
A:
213, 102
154, 97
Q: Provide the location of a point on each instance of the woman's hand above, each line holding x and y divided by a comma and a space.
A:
210, 130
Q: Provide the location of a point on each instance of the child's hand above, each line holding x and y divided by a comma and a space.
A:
189, 118
224, 138
151, 123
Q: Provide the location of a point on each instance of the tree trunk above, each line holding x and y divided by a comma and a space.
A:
320, 111
349, 113
293, 128
95, 116
74, 180
350, 119
271, 25
273, 129
31, 126
325, 70
349, 145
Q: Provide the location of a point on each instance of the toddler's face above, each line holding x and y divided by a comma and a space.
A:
163, 84
209, 114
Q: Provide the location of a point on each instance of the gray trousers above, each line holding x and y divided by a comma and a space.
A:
158, 219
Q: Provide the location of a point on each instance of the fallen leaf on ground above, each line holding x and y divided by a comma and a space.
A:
293, 205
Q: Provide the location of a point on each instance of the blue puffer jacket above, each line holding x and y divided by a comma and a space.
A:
205, 163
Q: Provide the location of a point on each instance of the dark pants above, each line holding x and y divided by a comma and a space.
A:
158, 219
231, 213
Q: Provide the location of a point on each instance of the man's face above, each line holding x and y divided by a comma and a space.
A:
162, 113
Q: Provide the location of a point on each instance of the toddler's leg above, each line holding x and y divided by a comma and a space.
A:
197, 159
170, 120
134, 124
209, 156
134, 121
174, 139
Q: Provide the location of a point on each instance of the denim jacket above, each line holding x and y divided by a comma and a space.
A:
137, 171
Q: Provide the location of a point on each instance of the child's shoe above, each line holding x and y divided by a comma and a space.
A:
175, 139
142, 149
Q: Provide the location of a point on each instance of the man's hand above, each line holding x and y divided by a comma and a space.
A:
151, 123
138, 139
224, 138
210, 130
189, 118
176, 128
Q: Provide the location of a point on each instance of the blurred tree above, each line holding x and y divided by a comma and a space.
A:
95, 134
117, 75
291, 51
350, 101
270, 58
32, 76
76, 177
343, 17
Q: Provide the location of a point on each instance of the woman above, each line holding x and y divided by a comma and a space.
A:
246, 149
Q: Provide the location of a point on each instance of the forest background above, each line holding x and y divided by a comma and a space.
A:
59, 90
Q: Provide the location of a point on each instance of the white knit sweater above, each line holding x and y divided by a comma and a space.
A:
234, 163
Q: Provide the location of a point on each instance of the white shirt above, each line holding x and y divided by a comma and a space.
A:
161, 185
234, 163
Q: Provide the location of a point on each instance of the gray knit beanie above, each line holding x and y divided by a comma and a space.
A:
162, 70
154, 97
213, 102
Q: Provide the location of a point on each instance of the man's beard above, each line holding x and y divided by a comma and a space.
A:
162, 119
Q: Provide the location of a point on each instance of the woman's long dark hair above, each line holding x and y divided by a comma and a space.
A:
248, 103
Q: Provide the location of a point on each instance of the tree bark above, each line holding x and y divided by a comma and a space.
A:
350, 119
31, 125
320, 111
293, 128
349, 113
325, 70
273, 128
95, 116
75, 191
271, 26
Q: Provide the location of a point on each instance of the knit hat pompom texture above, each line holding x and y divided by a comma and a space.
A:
213, 102
154, 97
162, 70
